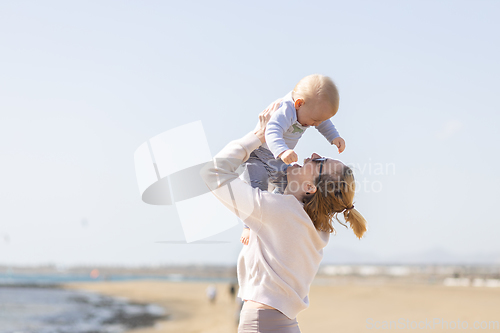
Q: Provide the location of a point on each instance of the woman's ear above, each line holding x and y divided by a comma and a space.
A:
310, 188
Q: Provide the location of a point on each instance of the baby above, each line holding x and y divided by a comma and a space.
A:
313, 101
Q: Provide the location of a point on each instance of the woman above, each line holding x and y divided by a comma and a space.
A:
288, 232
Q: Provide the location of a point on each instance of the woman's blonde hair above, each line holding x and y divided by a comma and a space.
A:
315, 88
332, 197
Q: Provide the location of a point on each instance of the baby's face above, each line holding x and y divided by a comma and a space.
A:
313, 114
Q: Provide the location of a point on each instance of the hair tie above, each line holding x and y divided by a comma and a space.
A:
349, 208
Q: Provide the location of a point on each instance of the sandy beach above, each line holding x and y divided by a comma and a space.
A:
333, 307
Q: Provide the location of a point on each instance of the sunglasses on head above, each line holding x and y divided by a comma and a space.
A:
321, 161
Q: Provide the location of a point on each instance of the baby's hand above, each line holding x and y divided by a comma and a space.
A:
289, 156
340, 143
245, 235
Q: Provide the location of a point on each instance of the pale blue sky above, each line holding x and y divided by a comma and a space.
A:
83, 84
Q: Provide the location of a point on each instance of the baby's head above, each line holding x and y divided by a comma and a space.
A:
316, 99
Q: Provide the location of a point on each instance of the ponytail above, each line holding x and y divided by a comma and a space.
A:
356, 221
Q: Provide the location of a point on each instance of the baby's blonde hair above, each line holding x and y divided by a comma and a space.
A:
316, 87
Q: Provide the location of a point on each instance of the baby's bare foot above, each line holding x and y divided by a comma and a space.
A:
245, 236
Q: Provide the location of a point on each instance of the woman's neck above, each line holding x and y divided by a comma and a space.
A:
297, 195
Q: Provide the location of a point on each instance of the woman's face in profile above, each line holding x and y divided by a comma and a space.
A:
297, 175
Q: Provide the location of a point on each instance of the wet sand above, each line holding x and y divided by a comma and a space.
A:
334, 308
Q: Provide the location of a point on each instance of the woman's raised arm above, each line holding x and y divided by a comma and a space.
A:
223, 181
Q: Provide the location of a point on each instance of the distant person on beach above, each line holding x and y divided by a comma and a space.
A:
211, 293
232, 290
313, 101
287, 232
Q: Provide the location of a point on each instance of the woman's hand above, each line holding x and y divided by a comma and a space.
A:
264, 117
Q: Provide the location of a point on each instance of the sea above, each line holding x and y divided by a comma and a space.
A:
31, 303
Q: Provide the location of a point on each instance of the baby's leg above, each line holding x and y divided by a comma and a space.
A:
257, 172
278, 175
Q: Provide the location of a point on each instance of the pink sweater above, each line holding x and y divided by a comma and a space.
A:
285, 249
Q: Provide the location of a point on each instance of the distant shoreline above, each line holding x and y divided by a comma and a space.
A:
32, 285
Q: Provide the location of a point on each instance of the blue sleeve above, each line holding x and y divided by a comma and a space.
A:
328, 130
279, 123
